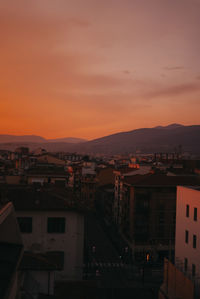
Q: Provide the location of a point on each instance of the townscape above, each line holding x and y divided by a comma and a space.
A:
99, 149
99, 226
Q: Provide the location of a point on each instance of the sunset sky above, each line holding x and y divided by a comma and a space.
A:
89, 68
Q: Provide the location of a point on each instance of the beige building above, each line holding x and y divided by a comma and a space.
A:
182, 279
49, 224
187, 246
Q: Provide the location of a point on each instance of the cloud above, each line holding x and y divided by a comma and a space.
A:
174, 91
174, 68
126, 72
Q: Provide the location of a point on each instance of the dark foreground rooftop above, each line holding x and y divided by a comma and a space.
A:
32, 199
10, 255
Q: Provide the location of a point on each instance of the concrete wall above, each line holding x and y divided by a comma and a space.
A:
70, 242
175, 284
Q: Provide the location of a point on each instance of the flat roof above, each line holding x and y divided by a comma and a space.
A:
196, 188
32, 199
162, 180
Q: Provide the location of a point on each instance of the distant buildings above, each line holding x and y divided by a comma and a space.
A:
43, 174
136, 197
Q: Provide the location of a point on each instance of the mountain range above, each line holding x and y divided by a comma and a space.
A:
146, 140
37, 139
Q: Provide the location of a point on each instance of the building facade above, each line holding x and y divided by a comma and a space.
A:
182, 278
50, 224
147, 214
187, 246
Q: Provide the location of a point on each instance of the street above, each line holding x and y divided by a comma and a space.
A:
111, 267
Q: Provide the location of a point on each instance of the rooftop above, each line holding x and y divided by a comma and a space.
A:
10, 255
47, 169
196, 188
162, 180
31, 199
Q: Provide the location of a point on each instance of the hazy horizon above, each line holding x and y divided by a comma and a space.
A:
68, 137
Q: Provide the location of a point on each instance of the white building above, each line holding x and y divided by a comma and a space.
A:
49, 224
187, 244
182, 279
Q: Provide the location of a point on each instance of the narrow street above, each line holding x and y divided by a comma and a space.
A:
104, 263
101, 258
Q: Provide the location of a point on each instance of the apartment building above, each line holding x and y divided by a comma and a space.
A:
52, 226
187, 246
182, 278
148, 213
120, 175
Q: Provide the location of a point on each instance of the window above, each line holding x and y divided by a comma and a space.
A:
185, 264
56, 225
195, 214
186, 236
187, 210
193, 270
161, 218
194, 241
25, 224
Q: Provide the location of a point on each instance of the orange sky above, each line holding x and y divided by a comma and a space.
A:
95, 67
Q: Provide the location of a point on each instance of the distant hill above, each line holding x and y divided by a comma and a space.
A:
148, 140
172, 126
145, 140
68, 140
23, 138
37, 139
